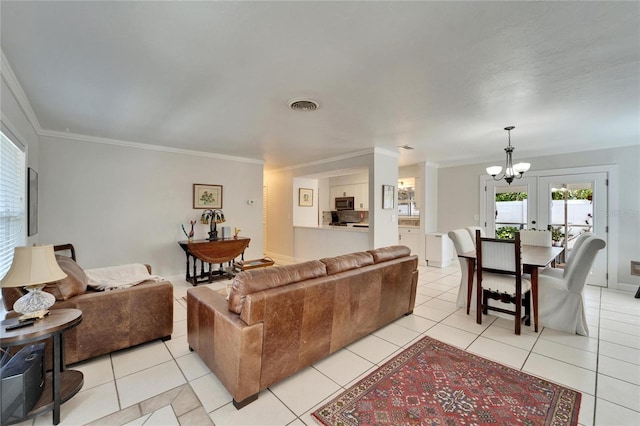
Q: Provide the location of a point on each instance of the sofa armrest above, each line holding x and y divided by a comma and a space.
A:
228, 346
118, 319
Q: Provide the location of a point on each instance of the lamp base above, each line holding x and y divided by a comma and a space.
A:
34, 304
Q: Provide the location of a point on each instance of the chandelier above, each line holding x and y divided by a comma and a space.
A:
511, 171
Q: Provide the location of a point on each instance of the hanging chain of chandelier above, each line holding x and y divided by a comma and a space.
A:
511, 171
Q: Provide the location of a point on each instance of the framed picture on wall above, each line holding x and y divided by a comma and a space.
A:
388, 193
305, 197
32, 197
207, 196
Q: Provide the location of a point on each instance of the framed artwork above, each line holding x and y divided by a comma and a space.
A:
207, 196
32, 197
305, 197
387, 196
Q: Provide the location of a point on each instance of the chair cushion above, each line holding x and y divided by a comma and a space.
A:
74, 284
503, 283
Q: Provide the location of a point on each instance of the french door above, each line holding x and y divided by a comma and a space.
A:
574, 204
569, 204
511, 207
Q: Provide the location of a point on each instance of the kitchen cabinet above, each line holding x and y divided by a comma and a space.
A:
361, 200
439, 250
359, 192
410, 237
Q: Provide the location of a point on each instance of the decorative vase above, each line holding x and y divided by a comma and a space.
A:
35, 301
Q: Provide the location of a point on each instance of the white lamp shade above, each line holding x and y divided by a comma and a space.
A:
521, 167
32, 266
494, 170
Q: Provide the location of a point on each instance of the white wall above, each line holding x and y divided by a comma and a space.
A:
431, 196
279, 215
355, 178
119, 204
385, 221
459, 197
305, 215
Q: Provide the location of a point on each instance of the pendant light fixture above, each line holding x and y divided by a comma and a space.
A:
511, 171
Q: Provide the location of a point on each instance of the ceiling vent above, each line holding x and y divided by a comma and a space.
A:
407, 147
303, 105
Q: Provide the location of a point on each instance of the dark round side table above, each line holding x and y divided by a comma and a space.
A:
60, 384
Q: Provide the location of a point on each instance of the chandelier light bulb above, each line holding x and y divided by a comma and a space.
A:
494, 170
521, 167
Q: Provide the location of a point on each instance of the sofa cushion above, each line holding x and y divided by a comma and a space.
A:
346, 262
255, 280
73, 284
389, 253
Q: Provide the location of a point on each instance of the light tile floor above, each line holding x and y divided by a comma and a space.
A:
163, 383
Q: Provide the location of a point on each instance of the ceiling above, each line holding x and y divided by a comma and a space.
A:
443, 77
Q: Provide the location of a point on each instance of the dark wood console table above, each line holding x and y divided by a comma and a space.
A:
60, 384
218, 251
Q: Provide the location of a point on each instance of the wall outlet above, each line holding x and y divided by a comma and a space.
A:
635, 267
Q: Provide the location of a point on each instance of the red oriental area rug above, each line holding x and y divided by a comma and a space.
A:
432, 383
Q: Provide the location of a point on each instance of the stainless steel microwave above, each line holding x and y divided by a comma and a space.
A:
344, 203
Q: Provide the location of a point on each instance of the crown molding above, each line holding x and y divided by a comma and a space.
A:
149, 147
16, 89
387, 152
7, 126
339, 158
324, 161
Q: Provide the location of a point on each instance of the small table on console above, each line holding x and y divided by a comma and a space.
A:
212, 252
60, 384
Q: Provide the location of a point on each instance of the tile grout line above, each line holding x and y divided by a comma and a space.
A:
595, 390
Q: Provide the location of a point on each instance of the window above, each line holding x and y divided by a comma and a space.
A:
12, 199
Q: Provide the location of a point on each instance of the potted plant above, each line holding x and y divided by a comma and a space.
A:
556, 235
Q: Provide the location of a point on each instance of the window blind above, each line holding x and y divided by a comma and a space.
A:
12, 200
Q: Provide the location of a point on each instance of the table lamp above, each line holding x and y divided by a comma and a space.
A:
32, 268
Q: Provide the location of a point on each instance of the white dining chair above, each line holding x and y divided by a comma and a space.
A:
472, 232
559, 272
463, 243
535, 237
560, 301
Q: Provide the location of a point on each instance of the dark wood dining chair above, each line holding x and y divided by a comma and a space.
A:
499, 277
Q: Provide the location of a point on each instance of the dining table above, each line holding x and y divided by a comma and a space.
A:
533, 259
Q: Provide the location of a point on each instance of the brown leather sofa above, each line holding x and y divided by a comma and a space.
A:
111, 320
279, 320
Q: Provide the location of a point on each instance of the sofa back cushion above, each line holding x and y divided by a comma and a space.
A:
347, 262
255, 280
74, 284
389, 253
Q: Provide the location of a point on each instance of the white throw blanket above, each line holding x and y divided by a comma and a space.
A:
121, 276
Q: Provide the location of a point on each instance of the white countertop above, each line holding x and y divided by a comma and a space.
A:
336, 228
